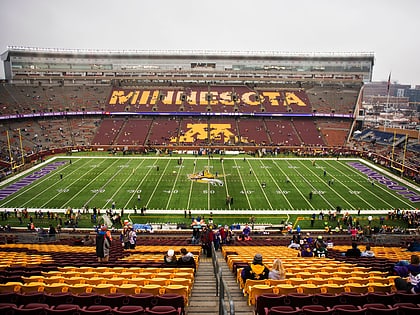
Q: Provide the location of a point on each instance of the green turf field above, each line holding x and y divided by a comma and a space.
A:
163, 184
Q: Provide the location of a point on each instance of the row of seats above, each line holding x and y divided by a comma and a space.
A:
74, 309
127, 289
85, 299
366, 309
296, 302
183, 278
254, 291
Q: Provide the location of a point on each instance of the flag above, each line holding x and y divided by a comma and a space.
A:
389, 83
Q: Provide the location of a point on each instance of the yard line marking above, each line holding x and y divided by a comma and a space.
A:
119, 187
278, 187
226, 183
243, 185
191, 186
353, 170
293, 184
173, 187
92, 181
306, 181
261, 188
141, 182
333, 190
162, 173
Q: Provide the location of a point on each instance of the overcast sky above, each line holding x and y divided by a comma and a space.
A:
388, 28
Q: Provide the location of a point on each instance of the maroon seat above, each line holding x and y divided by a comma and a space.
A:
114, 299
267, 301
169, 299
145, 300
282, 310
316, 309
31, 309
162, 310
64, 309
96, 310
128, 310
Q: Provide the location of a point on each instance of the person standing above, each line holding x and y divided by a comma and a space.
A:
132, 237
103, 244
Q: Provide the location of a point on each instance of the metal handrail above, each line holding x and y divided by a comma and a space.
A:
222, 289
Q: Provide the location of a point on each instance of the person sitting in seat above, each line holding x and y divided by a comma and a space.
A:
256, 270
170, 259
353, 251
186, 259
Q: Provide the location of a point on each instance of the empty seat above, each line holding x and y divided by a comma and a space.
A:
162, 310
128, 310
96, 310
64, 309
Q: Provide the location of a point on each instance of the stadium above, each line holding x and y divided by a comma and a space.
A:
176, 141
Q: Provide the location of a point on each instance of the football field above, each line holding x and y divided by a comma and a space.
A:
222, 184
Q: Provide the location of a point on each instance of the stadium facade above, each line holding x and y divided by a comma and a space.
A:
56, 100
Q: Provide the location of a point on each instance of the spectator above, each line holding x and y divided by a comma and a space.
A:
320, 248
277, 272
170, 259
246, 233
306, 251
103, 244
256, 270
367, 252
132, 237
186, 259
353, 251
411, 285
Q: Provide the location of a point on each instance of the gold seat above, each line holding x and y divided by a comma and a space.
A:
379, 280
380, 287
359, 280
32, 287
339, 281
56, 287
74, 280
257, 290
309, 288
139, 281
296, 281
104, 288
117, 280
79, 288
128, 288
251, 282
33, 279
286, 289
356, 287
95, 280
178, 289
10, 287
53, 279
159, 281
332, 288
154, 289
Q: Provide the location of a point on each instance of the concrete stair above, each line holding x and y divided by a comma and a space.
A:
203, 299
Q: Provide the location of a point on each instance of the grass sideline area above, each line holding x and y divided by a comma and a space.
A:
231, 189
